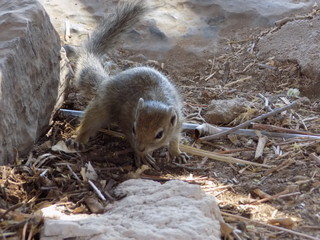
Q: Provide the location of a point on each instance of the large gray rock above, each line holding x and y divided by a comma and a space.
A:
172, 211
29, 75
296, 41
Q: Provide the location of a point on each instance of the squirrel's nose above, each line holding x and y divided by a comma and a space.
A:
141, 149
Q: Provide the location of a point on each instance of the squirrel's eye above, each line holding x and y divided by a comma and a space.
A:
133, 130
159, 134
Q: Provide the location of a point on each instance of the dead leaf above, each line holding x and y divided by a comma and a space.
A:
284, 222
91, 172
81, 209
62, 147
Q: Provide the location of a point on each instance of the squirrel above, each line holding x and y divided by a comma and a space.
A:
141, 100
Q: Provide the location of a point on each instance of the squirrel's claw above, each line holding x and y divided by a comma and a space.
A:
182, 158
146, 159
72, 143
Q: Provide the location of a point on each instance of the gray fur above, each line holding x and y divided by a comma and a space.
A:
114, 25
90, 71
141, 101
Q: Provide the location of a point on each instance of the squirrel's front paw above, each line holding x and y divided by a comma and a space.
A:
74, 144
146, 159
182, 158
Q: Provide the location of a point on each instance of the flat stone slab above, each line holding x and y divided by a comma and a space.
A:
171, 211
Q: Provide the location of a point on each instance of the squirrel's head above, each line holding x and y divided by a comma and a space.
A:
154, 125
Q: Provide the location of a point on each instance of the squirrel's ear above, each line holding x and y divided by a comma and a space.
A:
139, 106
140, 103
173, 116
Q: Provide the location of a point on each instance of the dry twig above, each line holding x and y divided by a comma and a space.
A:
206, 128
73, 173
248, 123
315, 158
266, 102
305, 236
216, 156
265, 127
11, 209
260, 147
97, 191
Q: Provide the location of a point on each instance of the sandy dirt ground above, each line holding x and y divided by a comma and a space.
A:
261, 203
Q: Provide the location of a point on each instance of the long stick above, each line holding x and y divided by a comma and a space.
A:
211, 129
98, 192
217, 156
248, 123
259, 126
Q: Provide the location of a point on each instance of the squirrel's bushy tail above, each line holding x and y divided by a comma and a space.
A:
91, 68
114, 25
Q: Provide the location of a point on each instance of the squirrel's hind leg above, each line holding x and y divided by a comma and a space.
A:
94, 118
